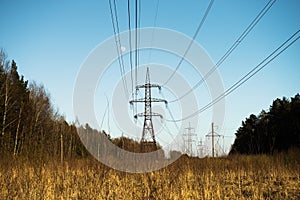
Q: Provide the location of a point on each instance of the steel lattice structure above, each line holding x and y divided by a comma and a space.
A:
148, 114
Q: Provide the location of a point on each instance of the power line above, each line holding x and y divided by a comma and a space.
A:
192, 41
169, 132
136, 49
118, 35
231, 49
114, 19
173, 119
108, 124
172, 116
249, 75
153, 30
136, 39
138, 33
106, 111
130, 55
102, 121
130, 46
120, 47
170, 112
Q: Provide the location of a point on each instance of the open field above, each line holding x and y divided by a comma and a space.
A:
235, 177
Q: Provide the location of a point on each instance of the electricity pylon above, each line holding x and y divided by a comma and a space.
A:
213, 134
148, 114
201, 149
189, 141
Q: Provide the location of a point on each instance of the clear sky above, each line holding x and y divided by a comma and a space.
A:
50, 40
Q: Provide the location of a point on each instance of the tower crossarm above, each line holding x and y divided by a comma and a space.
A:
143, 100
147, 85
215, 135
153, 114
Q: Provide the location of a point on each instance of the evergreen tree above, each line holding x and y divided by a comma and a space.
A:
276, 130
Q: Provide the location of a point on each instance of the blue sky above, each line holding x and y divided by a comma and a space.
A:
49, 40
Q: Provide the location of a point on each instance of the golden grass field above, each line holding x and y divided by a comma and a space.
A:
234, 177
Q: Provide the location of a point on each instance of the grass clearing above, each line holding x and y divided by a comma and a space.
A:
234, 177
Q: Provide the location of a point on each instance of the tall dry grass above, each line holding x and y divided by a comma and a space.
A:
234, 177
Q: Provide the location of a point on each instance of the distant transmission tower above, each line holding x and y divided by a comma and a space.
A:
213, 134
148, 130
189, 140
201, 149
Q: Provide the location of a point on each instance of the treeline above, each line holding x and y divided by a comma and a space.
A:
29, 124
273, 131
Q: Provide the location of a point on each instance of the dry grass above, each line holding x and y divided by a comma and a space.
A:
238, 177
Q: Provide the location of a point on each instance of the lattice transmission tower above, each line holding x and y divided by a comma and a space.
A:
148, 130
213, 135
188, 142
201, 148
